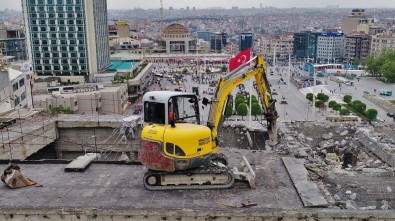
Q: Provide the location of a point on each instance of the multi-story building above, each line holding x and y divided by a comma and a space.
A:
205, 35
13, 43
357, 21
281, 47
305, 44
177, 39
217, 41
15, 89
87, 99
357, 47
67, 37
246, 41
379, 42
330, 47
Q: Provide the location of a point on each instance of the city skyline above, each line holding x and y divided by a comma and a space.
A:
154, 4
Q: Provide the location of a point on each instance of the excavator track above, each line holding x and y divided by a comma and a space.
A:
212, 177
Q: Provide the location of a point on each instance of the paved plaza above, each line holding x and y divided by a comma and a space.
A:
297, 109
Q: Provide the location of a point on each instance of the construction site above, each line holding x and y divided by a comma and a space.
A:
317, 171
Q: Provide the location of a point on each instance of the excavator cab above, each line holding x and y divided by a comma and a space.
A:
173, 138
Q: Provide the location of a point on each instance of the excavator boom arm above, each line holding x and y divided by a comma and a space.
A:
226, 84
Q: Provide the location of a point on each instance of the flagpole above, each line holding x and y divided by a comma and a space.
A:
250, 91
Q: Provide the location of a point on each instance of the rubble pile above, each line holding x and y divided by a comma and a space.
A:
349, 162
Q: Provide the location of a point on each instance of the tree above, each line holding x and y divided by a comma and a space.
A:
344, 111
253, 100
318, 104
322, 97
360, 107
347, 98
184, 71
224, 69
388, 70
371, 114
309, 96
242, 110
375, 64
239, 95
256, 109
228, 111
337, 107
331, 103
239, 101
355, 103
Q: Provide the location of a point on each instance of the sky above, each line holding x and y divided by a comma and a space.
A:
147, 4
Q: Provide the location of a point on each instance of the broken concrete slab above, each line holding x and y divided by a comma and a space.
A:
307, 190
81, 163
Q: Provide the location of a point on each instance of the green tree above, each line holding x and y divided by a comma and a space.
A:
347, 98
239, 101
331, 103
224, 69
337, 107
371, 114
253, 100
319, 103
360, 107
344, 111
355, 103
228, 111
242, 110
322, 97
388, 70
256, 109
309, 96
375, 64
239, 95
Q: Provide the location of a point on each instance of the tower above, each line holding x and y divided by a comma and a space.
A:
67, 37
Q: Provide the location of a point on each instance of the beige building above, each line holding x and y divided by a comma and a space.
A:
357, 47
379, 42
87, 99
177, 39
123, 30
281, 46
358, 21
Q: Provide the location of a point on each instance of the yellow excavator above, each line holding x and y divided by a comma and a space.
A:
179, 152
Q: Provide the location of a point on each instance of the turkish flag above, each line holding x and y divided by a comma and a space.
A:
241, 58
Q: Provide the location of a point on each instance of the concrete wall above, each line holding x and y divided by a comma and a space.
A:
106, 140
72, 214
27, 144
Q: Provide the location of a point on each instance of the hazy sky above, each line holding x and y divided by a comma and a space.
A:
125, 4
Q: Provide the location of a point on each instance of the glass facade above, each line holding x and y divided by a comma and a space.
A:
59, 38
246, 41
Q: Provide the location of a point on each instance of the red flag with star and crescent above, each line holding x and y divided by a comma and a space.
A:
241, 58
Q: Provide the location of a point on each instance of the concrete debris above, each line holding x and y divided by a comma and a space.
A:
389, 189
336, 197
385, 205
249, 139
344, 133
327, 136
353, 196
348, 192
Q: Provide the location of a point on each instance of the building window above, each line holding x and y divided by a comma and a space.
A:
16, 101
21, 83
15, 87
23, 96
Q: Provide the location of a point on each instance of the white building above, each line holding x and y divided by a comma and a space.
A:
281, 47
330, 47
15, 90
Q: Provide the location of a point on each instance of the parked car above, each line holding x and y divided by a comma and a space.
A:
391, 114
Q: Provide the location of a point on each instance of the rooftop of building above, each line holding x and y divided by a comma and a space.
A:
126, 56
122, 65
14, 74
176, 29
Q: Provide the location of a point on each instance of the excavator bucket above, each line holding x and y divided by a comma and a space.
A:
244, 172
13, 178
